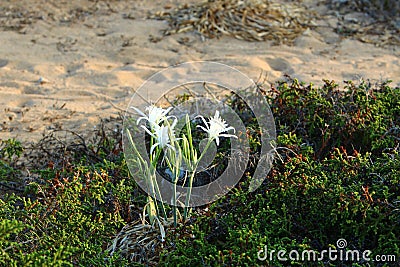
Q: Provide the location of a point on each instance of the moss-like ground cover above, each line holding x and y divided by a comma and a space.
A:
336, 175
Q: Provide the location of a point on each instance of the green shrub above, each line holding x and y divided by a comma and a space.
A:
337, 176
361, 118
70, 222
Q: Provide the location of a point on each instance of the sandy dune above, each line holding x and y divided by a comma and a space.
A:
71, 63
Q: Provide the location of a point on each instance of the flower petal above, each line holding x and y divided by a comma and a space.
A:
139, 111
202, 118
153, 147
148, 131
217, 140
201, 127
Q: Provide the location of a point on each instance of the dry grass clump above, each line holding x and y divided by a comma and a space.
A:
140, 242
379, 26
59, 148
379, 9
250, 20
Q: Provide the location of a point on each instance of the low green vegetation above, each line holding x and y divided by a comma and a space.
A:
336, 176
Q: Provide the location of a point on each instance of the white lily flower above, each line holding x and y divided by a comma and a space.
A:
155, 116
163, 135
215, 127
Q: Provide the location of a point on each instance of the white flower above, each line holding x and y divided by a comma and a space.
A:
155, 116
215, 127
163, 135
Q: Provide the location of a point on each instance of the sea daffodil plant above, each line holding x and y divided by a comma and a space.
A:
177, 153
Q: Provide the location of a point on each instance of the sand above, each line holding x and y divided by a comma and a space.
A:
69, 64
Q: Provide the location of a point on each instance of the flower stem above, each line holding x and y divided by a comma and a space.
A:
189, 190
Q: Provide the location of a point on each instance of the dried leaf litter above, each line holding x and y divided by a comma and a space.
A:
246, 20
